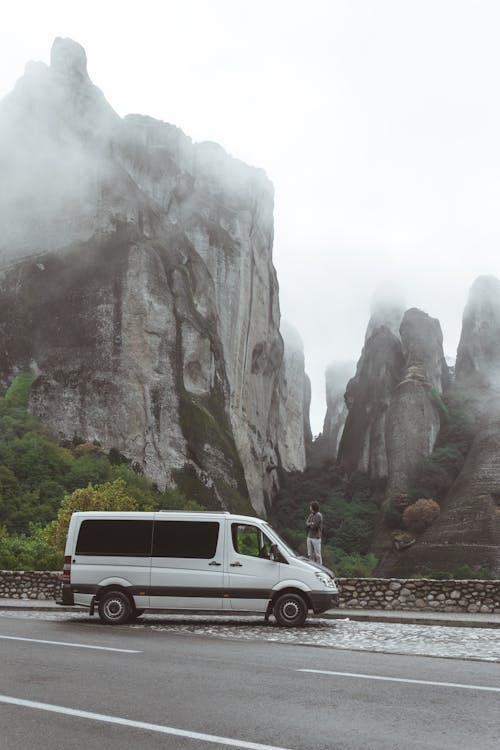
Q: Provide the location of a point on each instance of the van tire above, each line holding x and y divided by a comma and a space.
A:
114, 607
290, 611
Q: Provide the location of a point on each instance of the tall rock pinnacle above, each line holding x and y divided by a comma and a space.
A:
138, 285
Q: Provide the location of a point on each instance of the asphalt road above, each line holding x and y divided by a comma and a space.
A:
178, 691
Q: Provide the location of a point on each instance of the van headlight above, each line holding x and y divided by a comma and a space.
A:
324, 579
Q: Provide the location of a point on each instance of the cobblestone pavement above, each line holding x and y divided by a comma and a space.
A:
424, 640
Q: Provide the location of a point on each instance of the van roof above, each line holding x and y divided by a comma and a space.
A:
178, 514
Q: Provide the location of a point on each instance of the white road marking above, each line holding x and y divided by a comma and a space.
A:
137, 724
402, 679
72, 645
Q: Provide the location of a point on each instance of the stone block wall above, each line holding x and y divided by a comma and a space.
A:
20, 584
421, 595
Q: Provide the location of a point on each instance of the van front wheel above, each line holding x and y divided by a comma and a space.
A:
290, 611
115, 607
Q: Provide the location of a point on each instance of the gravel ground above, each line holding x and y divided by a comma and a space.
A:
424, 640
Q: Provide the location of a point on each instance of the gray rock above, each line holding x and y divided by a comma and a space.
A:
138, 285
326, 445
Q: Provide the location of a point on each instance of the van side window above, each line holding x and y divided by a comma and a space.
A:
115, 537
250, 540
194, 539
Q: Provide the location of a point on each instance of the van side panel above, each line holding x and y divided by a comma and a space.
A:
187, 570
94, 568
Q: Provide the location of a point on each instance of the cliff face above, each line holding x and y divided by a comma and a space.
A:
294, 429
368, 395
392, 419
137, 283
413, 420
477, 369
467, 531
326, 445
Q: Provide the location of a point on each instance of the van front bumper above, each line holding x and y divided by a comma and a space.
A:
321, 602
67, 598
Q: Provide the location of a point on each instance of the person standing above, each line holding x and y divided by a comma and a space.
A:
314, 526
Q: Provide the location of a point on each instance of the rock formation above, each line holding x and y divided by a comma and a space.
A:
392, 416
137, 283
368, 395
393, 403
477, 369
467, 531
326, 445
294, 401
413, 420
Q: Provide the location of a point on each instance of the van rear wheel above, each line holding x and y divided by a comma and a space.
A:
114, 608
290, 611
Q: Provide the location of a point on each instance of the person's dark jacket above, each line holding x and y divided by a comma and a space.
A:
314, 525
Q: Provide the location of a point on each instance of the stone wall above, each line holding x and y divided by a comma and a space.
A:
420, 595
20, 584
355, 593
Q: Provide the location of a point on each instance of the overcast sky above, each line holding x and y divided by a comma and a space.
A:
378, 122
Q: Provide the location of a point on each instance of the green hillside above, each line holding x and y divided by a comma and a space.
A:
42, 482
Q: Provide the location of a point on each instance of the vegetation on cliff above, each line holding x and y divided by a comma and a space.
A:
349, 516
42, 482
434, 474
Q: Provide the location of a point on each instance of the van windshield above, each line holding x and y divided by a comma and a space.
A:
284, 546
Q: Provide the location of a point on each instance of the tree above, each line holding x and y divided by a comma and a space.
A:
108, 496
420, 515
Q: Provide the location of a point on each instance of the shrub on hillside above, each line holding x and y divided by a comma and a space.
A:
349, 566
108, 496
23, 552
420, 515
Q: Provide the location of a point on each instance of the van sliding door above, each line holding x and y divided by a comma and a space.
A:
187, 565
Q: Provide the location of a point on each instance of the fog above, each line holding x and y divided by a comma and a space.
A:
377, 122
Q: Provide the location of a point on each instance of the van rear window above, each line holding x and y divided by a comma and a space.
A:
115, 537
194, 539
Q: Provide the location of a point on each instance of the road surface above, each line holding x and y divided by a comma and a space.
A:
69, 683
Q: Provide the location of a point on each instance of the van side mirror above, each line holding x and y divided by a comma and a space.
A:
274, 553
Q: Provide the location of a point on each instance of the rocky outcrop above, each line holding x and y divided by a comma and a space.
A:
393, 403
326, 445
393, 418
294, 401
413, 419
138, 285
368, 395
477, 369
467, 531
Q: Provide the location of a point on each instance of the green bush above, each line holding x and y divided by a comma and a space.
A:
435, 474
19, 391
460, 573
28, 552
349, 566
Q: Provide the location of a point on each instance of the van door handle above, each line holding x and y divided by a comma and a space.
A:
214, 562
236, 565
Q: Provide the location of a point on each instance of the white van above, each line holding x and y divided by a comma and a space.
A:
127, 562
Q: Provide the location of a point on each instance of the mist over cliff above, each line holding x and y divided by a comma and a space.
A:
137, 284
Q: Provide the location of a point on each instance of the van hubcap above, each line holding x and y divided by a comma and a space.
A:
114, 608
290, 610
